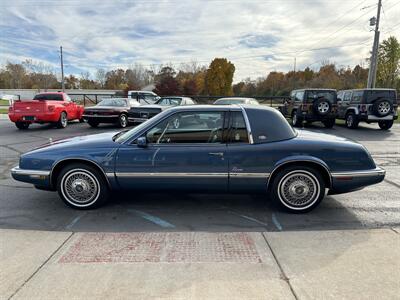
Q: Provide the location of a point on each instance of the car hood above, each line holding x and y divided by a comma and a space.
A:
100, 140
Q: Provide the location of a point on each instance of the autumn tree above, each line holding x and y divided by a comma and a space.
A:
388, 72
219, 77
166, 83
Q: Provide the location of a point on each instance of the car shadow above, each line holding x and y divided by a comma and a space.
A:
137, 212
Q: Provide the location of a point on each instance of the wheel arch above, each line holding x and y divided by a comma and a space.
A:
351, 109
59, 165
312, 162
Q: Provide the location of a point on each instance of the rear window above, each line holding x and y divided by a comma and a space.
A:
55, 97
371, 96
328, 95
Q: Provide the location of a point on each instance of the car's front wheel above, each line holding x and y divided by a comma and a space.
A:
296, 120
298, 189
81, 186
329, 123
385, 125
351, 120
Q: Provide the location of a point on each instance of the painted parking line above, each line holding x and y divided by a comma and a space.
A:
249, 218
276, 222
153, 219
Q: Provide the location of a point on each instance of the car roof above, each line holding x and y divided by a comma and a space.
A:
370, 89
316, 89
58, 93
235, 98
221, 107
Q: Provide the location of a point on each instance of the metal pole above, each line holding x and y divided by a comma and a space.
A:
294, 74
374, 56
62, 70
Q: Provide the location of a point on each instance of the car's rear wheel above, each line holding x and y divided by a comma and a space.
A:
329, 123
22, 125
298, 189
63, 121
296, 120
351, 120
385, 125
93, 123
123, 120
81, 186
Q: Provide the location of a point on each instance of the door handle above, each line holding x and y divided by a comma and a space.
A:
217, 153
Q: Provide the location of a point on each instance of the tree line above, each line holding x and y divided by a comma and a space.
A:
216, 79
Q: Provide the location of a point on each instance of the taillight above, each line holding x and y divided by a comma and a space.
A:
50, 107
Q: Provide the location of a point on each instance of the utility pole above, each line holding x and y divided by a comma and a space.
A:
294, 73
62, 70
373, 66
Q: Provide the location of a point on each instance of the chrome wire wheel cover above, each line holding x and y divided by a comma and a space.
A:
384, 107
323, 107
80, 187
298, 190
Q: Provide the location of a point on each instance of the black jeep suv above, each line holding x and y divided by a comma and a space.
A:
311, 105
369, 105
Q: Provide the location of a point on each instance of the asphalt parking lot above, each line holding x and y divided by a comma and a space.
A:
23, 207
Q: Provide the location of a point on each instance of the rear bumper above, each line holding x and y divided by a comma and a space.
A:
343, 182
38, 117
38, 178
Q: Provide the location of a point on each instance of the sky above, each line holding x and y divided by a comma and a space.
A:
258, 36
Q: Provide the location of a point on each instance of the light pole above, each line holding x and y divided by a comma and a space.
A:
62, 70
373, 65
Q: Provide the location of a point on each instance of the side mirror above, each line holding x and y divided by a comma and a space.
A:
141, 142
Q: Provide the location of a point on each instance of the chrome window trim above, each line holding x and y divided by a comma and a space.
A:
365, 173
248, 127
18, 171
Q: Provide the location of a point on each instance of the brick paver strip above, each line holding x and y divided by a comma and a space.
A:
162, 247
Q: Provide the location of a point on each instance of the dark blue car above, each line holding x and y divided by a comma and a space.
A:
203, 149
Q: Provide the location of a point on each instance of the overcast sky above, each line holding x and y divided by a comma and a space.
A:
258, 36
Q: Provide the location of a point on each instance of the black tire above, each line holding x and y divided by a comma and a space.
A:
63, 121
22, 125
81, 120
382, 107
351, 120
329, 123
385, 125
123, 120
296, 120
322, 106
93, 123
291, 178
74, 179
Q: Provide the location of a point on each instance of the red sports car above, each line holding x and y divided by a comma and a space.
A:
56, 108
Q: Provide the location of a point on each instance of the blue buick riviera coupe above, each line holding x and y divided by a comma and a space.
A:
236, 148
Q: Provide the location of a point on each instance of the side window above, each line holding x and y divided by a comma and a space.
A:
357, 95
292, 95
238, 131
347, 96
299, 96
340, 96
150, 97
188, 127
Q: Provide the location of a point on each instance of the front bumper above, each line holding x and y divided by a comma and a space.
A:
39, 178
343, 182
373, 118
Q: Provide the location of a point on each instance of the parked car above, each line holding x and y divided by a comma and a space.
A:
369, 105
110, 110
145, 112
206, 148
236, 100
144, 97
56, 108
311, 105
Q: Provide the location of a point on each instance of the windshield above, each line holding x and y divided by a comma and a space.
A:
373, 95
328, 95
113, 102
169, 101
230, 101
54, 97
124, 136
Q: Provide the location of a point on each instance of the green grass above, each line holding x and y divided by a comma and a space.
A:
3, 110
4, 102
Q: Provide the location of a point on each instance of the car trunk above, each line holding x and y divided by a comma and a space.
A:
30, 106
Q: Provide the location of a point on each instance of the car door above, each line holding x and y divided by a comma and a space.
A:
70, 107
184, 151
